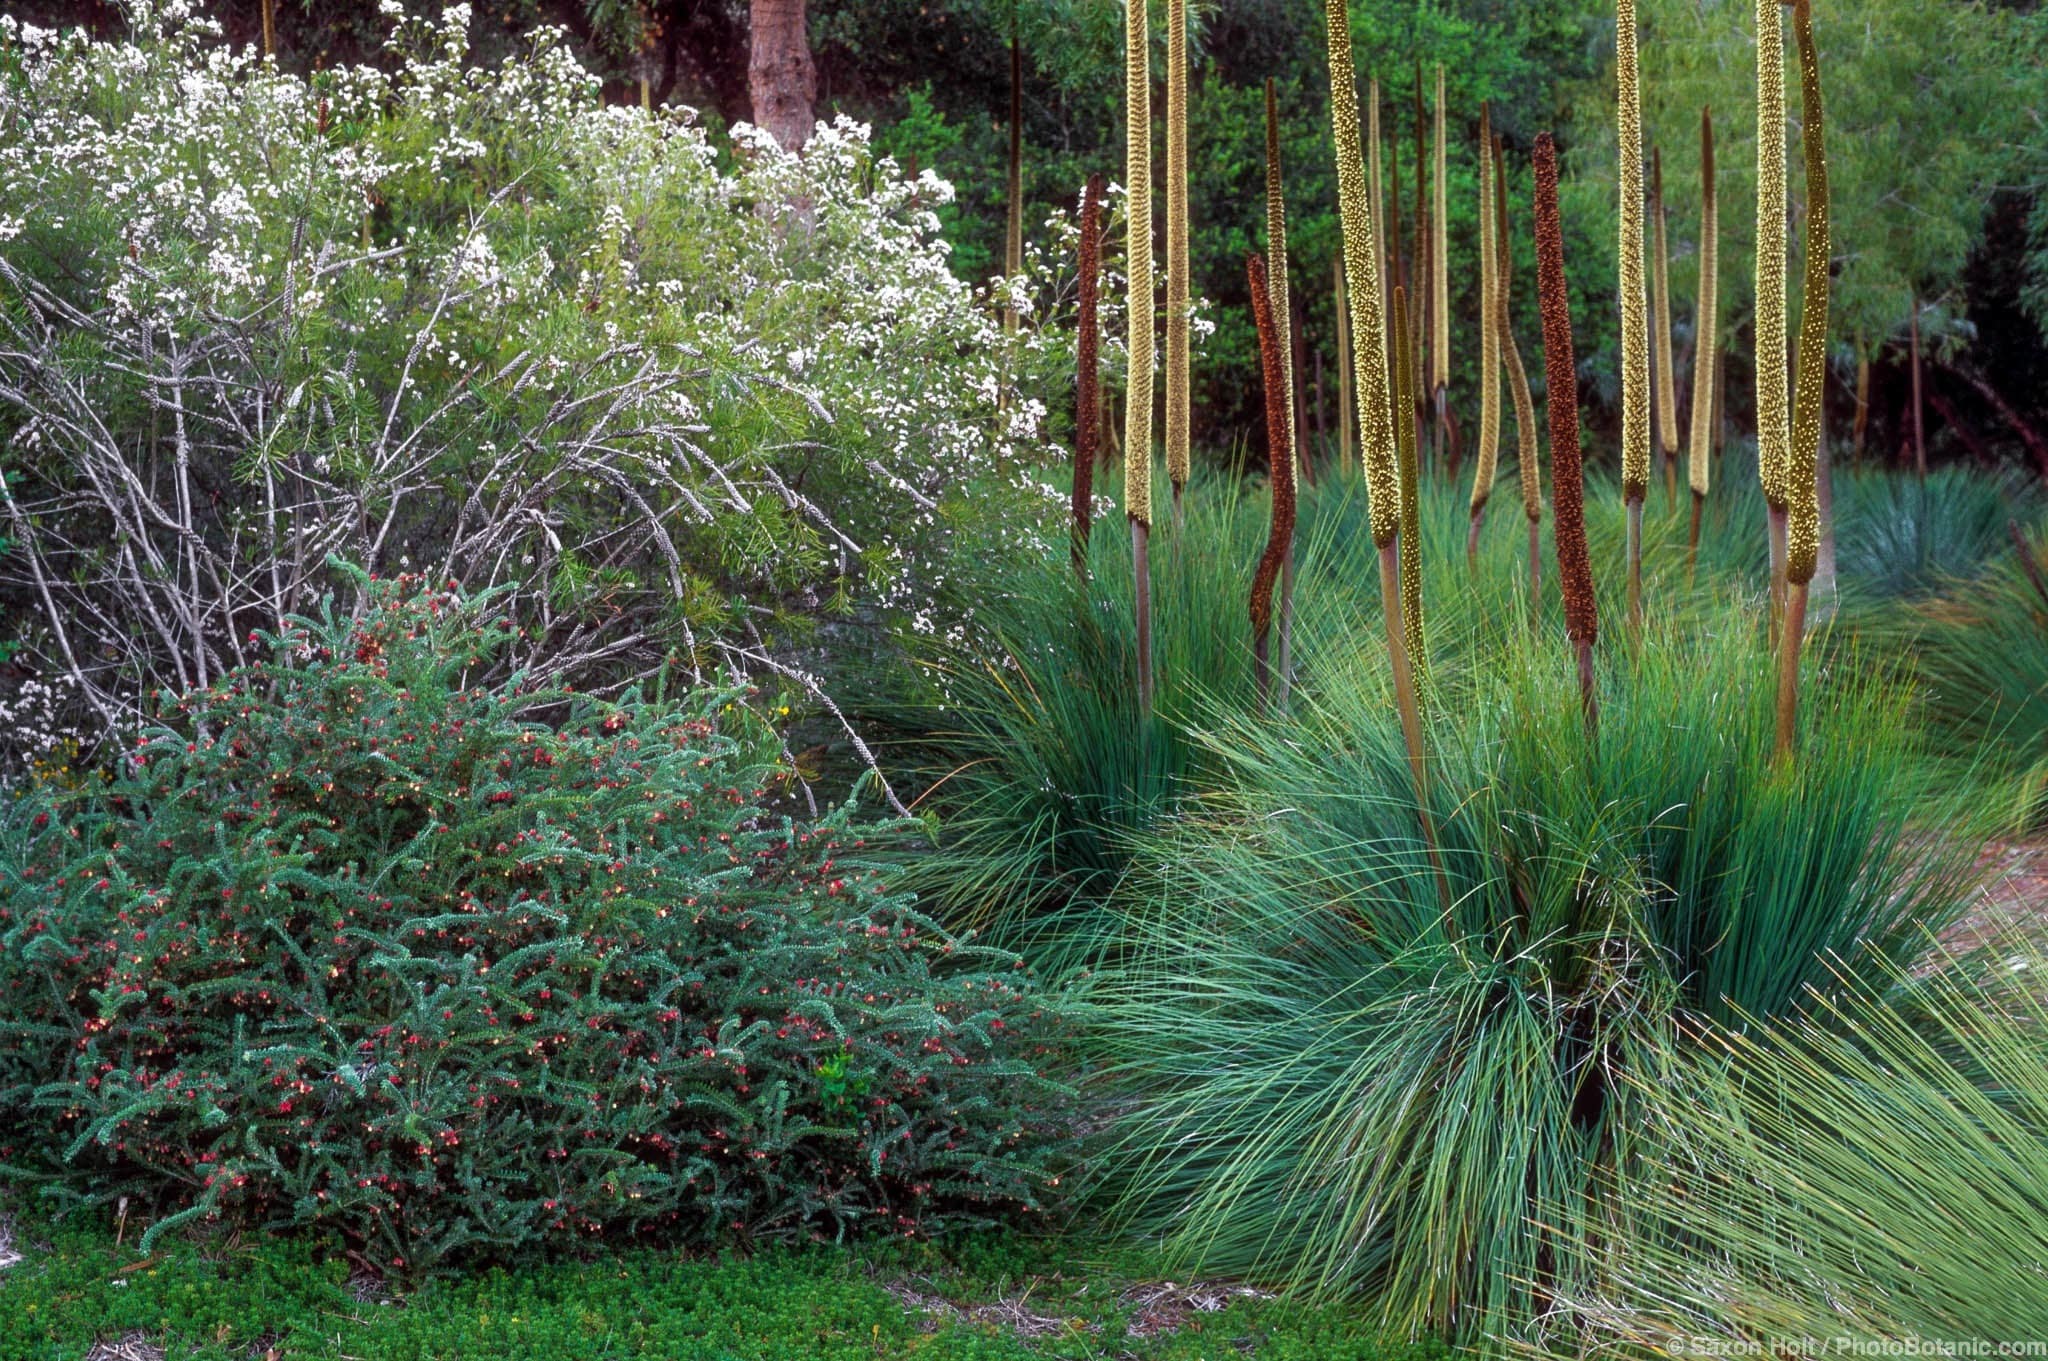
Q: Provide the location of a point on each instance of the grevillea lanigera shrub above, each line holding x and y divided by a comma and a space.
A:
352, 942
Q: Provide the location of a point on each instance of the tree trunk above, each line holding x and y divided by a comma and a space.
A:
2037, 447
781, 78
1978, 449
1862, 398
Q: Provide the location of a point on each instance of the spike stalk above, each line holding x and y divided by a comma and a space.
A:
1280, 461
1660, 339
1526, 449
1406, 382
1567, 482
1706, 331
1288, 333
1087, 375
1440, 281
1486, 456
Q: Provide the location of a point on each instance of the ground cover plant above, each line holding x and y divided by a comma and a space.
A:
352, 941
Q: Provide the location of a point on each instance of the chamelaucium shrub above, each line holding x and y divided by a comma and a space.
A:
352, 941
468, 320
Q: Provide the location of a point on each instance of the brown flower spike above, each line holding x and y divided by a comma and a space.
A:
1567, 479
1280, 463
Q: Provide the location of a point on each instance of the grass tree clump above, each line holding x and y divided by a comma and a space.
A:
1280, 462
1518, 381
1348, 1087
1138, 269
1773, 407
1178, 395
1803, 527
1567, 475
1635, 359
1486, 455
1660, 349
1087, 374
1706, 331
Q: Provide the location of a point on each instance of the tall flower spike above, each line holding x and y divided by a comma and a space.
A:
1280, 463
1635, 359
1486, 455
1138, 266
1526, 446
1773, 422
1802, 545
1362, 284
1706, 331
1567, 476
1138, 224
1177, 257
1411, 491
1276, 260
1344, 375
1375, 406
1660, 315
1372, 155
1087, 376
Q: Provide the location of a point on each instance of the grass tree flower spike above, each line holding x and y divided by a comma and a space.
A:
1773, 421
1177, 255
1706, 328
1087, 377
1635, 359
1802, 470
1280, 462
1375, 404
1276, 257
1138, 392
1518, 380
1344, 375
1277, 294
1567, 477
1372, 155
1486, 455
1660, 339
1407, 458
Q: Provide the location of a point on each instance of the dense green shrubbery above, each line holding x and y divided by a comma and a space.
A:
352, 940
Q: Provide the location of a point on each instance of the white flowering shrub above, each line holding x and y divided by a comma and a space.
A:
470, 323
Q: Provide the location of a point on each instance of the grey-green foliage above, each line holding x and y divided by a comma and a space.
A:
1873, 1172
1347, 1084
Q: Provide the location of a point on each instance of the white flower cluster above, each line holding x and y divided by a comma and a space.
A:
473, 319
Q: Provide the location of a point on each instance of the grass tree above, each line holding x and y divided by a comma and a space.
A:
1803, 527
1635, 360
1706, 330
1138, 267
1486, 452
1283, 322
1087, 376
1773, 417
1567, 476
1407, 382
1177, 255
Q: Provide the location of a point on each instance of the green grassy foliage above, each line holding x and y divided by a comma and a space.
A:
1875, 1172
207, 1301
1353, 1083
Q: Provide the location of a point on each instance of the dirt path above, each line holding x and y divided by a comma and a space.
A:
2015, 893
